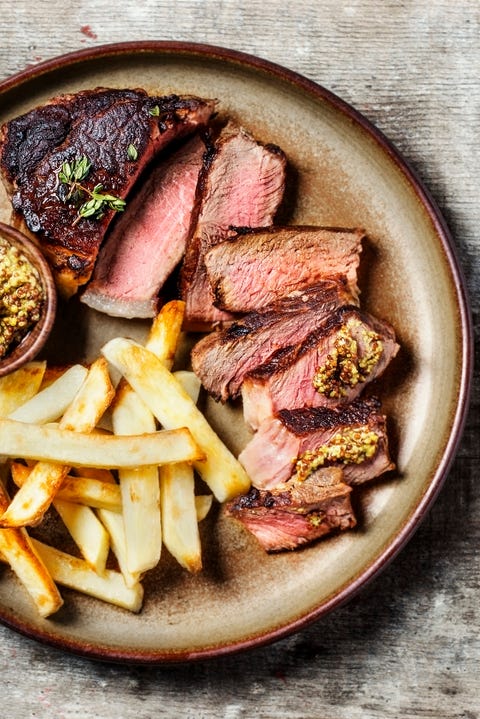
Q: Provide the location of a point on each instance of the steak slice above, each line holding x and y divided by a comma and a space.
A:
223, 358
297, 442
256, 267
148, 240
331, 366
242, 184
296, 513
102, 125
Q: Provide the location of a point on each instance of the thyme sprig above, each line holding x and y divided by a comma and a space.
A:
72, 174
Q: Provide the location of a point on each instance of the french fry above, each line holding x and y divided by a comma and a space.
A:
114, 525
75, 573
139, 486
91, 401
19, 386
203, 504
50, 403
82, 415
17, 550
165, 332
87, 531
51, 444
173, 408
88, 491
179, 516
178, 501
190, 383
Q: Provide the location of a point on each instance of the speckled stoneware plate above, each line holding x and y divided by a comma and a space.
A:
342, 172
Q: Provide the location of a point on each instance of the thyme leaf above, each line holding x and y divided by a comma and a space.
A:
72, 174
132, 152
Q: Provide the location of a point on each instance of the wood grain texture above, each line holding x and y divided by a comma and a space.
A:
408, 646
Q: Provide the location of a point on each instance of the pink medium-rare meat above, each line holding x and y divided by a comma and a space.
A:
118, 132
221, 359
296, 513
242, 184
256, 267
148, 240
296, 442
331, 366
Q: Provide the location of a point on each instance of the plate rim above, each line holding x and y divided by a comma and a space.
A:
443, 235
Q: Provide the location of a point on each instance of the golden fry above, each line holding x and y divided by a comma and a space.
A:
19, 386
179, 516
76, 574
173, 408
165, 332
50, 403
114, 525
87, 531
139, 486
88, 491
52, 444
17, 549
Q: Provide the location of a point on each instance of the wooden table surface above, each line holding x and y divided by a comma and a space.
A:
408, 646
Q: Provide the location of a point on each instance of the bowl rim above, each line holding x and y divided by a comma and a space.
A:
35, 339
412, 522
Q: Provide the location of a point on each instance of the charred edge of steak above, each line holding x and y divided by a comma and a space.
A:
303, 421
287, 356
297, 301
292, 516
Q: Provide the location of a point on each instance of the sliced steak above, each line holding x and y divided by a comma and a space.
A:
148, 240
296, 513
242, 184
256, 267
299, 441
102, 125
222, 359
331, 366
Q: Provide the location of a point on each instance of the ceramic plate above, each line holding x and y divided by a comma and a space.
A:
342, 172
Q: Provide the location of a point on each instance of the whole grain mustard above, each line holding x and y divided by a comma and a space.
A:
22, 296
352, 445
347, 365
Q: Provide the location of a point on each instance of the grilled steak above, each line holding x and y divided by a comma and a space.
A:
296, 513
148, 240
299, 441
242, 184
330, 367
222, 359
102, 125
256, 267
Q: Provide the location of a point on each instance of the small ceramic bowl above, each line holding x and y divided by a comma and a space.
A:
34, 341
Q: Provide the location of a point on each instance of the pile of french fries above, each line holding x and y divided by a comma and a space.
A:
116, 463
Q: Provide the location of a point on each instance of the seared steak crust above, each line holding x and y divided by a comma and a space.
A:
100, 124
296, 442
303, 421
